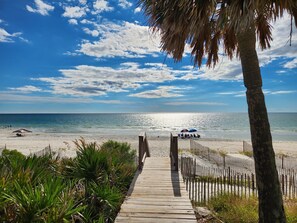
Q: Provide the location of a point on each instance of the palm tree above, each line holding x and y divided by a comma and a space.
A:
203, 25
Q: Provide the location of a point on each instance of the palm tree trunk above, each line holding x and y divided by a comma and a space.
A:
271, 207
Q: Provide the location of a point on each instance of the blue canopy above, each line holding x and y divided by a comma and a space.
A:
193, 130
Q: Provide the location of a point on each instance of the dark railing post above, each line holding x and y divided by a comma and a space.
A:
174, 151
143, 150
140, 151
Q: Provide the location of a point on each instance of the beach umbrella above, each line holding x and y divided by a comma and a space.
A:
184, 130
193, 130
21, 131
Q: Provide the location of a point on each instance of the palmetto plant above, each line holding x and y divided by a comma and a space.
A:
104, 201
50, 201
203, 25
87, 188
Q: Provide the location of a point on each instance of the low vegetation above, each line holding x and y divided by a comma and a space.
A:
247, 153
87, 188
231, 208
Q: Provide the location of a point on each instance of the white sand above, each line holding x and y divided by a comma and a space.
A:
159, 146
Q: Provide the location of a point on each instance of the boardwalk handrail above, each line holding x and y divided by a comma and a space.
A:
174, 151
143, 150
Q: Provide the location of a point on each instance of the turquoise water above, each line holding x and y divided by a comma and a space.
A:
209, 125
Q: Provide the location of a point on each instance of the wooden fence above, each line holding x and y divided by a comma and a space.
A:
283, 161
46, 151
211, 182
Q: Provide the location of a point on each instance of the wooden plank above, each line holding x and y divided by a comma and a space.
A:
151, 220
157, 195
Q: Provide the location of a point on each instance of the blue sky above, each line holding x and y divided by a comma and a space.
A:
100, 56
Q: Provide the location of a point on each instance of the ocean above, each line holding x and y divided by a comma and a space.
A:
209, 125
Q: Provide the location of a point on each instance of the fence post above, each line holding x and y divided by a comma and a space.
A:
253, 184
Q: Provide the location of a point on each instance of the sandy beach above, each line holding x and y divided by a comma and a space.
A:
159, 146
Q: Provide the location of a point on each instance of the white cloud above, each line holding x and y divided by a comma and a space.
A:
27, 89
72, 21
68, 53
101, 6
126, 40
160, 92
6, 37
280, 47
189, 76
291, 64
179, 103
265, 91
137, 10
74, 12
93, 33
224, 70
15, 98
125, 4
281, 92
83, 2
86, 80
41, 8
233, 93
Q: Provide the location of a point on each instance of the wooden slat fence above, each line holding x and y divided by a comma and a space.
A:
213, 182
46, 151
283, 161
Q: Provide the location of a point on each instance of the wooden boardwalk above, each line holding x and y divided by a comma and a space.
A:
157, 194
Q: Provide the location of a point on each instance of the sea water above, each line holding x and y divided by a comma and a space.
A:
209, 125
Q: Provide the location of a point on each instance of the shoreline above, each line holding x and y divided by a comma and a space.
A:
159, 145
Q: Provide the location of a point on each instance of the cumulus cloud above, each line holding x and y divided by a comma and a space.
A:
126, 40
224, 70
74, 12
160, 92
6, 37
93, 33
41, 8
101, 6
73, 21
137, 10
86, 80
125, 4
280, 46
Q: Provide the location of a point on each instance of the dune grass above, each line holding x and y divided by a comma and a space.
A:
233, 209
87, 188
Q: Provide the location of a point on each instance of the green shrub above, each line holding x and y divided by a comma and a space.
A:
291, 210
87, 188
231, 208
